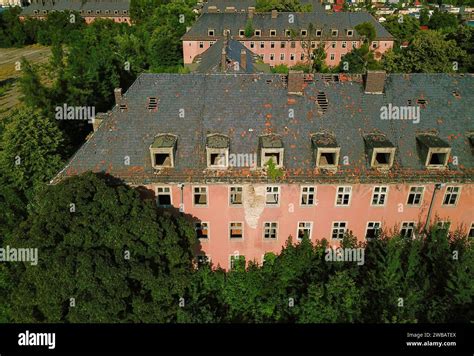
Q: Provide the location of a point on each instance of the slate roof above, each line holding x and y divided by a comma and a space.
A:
243, 5
263, 21
79, 5
210, 60
246, 106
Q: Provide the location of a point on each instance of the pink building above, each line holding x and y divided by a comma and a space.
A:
115, 10
344, 160
285, 38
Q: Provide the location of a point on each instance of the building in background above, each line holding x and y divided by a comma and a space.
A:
350, 153
285, 38
116, 10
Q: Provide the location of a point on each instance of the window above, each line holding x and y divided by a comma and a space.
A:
236, 230
282, 44
332, 56
333, 44
200, 196
202, 230
292, 44
471, 231
262, 44
327, 158
226, 32
272, 195
443, 225
210, 32
375, 44
288, 33
334, 33
97, 12
302, 57
343, 197
304, 228
252, 44
350, 33
354, 44
272, 56
273, 33
237, 261
163, 196
373, 230
344, 44
318, 33
292, 57
383, 157
211, 43
258, 33
415, 196
162, 151
123, 107
379, 196
201, 44
241, 33
270, 230
304, 33
116, 12
339, 228
235, 196
217, 159
272, 44
282, 56
313, 44
451, 196
407, 229
307, 195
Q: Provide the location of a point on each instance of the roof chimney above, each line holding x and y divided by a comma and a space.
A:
223, 59
243, 59
251, 11
274, 14
230, 9
295, 82
118, 95
375, 81
212, 9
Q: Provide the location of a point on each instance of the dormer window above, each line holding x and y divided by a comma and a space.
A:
89, 12
319, 33
258, 33
304, 33
217, 148
107, 12
226, 32
271, 149
35, 12
350, 33
116, 12
326, 150
241, 33
97, 12
434, 151
380, 151
210, 32
287, 33
162, 151
273, 33
334, 33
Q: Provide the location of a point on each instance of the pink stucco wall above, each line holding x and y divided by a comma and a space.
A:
192, 48
218, 213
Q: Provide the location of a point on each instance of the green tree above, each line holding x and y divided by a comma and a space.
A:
359, 60
249, 30
12, 33
442, 20
117, 256
282, 6
429, 52
367, 31
31, 147
403, 28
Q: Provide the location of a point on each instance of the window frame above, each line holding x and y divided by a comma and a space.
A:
170, 193
338, 227
379, 194
270, 227
194, 193
278, 193
446, 193
422, 194
343, 192
241, 195
298, 228
230, 229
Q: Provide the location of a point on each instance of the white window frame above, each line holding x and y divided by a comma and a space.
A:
379, 194
332, 56
207, 195
410, 225
457, 193
158, 193
231, 259
334, 32
305, 227
422, 193
278, 192
273, 33
208, 228
258, 33
241, 195
272, 56
470, 233
270, 228
338, 227
209, 32
344, 192
379, 228
242, 229
282, 56
307, 194
241, 33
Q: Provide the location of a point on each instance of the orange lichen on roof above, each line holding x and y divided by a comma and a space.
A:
267, 106
268, 116
291, 101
